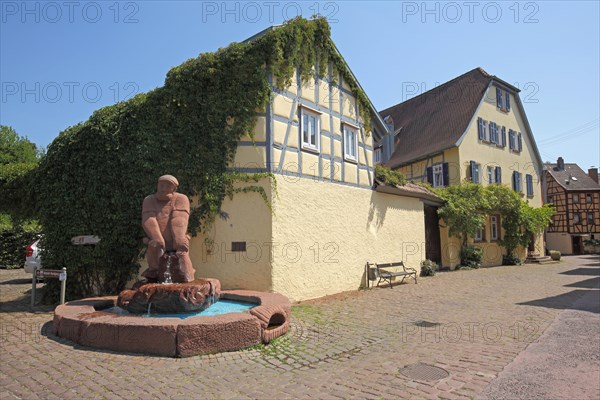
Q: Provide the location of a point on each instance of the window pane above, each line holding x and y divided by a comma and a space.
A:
313, 130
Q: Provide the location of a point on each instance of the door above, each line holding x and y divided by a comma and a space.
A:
432, 235
577, 244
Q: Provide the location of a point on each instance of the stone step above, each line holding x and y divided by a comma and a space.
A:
539, 260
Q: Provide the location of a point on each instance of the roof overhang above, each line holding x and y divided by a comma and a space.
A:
428, 198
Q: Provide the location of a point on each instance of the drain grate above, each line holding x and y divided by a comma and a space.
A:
424, 372
426, 324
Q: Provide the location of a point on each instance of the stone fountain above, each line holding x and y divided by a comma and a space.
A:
170, 288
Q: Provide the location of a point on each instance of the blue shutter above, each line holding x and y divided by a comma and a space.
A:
498, 97
507, 100
503, 136
473, 166
446, 174
529, 179
511, 139
514, 180
498, 175
480, 128
430, 175
520, 139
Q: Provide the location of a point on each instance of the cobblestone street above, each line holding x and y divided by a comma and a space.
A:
472, 324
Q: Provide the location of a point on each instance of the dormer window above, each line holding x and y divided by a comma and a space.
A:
502, 99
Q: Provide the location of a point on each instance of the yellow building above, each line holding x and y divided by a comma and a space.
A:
327, 220
472, 127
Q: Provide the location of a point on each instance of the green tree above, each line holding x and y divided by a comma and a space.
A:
19, 158
15, 149
519, 220
464, 210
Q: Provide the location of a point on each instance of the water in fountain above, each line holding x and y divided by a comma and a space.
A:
167, 274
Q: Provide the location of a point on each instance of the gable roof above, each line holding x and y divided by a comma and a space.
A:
436, 120
376, 117
582, 180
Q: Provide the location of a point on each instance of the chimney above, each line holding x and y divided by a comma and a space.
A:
593, 173
560, 164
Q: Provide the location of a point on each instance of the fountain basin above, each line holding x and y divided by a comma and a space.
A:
84, 322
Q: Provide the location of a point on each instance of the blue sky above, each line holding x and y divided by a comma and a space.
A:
60, 61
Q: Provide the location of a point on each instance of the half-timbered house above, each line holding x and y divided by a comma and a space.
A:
576, 197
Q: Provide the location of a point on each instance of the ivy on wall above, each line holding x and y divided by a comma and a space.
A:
96, 174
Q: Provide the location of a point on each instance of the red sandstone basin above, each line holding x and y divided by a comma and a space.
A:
84, 322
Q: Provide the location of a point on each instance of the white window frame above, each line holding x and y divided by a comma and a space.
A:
438, 175
494, 227
576, 218
491, 174
576, 198
589, 220
476, 178
480, 235
350, 129
308, 113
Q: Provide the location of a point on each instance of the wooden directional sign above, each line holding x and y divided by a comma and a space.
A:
51, 273
86, 239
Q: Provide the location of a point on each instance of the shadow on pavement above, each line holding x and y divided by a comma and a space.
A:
569, 301
582, 271
592, 283
23, 281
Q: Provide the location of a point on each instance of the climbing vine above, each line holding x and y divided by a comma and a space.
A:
95, 174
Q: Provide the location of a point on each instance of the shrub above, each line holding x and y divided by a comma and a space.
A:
511, 259
428, 268
555, 255
470, 256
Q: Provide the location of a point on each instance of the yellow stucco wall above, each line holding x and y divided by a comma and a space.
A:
324, 233
486, 154
560, 241
250, 221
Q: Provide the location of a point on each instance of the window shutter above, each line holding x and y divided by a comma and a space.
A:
446, 174
498, 175
480, 128
507, 100
473, 166
503, 136
498, 97
520, 140
514, 180
494, 136
511, 139
430, 175
529, 179
492, 126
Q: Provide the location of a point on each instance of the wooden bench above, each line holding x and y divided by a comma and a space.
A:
385, 274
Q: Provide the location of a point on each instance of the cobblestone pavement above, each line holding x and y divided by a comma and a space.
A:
470, 323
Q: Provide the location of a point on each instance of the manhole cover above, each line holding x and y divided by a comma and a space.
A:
424, 372
426, 324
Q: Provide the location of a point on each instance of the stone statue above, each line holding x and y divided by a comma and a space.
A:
165, 217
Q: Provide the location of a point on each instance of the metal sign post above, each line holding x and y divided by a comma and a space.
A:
60, 274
